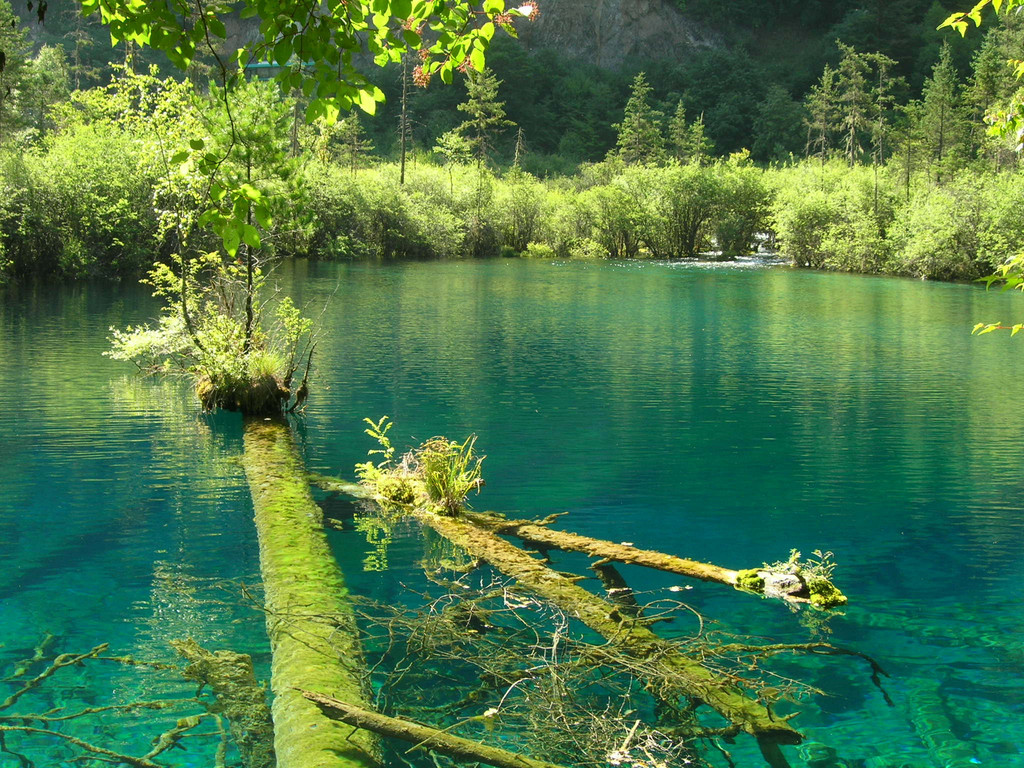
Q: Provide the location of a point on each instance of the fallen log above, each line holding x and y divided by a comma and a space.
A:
423, 735
311, 628
680, 675
793, 587
821, 593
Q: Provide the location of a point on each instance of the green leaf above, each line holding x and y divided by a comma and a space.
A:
197, 144
251, 236
262, 214
217, 27
401, 9
476, 57
231, 238
366, 102
283, 51
179, 157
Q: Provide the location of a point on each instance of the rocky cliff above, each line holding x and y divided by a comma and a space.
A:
608, 32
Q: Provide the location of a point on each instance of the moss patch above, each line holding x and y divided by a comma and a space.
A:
824, 594
750, 580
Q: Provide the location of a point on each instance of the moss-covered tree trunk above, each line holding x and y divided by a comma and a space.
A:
311, 627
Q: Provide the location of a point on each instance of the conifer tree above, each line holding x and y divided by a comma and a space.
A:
854, 101
943, 128
678, 133
353, 145
699, 146
639, 133
486, 114
822, 104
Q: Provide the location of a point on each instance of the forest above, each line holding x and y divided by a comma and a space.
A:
869, 154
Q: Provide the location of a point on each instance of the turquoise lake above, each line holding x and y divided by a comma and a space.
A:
722, 412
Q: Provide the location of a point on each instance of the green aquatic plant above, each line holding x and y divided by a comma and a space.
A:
439, 474
450, 471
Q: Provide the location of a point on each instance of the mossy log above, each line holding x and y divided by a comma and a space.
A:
239, 698
423, 735
679, 675
754, 580
312, 629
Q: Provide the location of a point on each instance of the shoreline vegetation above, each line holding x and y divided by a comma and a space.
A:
92, 216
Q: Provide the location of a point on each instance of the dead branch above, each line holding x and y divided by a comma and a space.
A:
116, 757
48, 718
64, 660
682, 675
422, 735
38, 654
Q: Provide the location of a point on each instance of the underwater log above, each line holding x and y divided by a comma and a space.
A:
424, 736
239, 698
312, 628
756, 580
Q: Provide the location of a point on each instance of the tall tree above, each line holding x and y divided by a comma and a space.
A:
822, 105
678, 133
47, 83
486, 113
777, 126
687, 142
639, 134
854, 101
943, 126
353, 145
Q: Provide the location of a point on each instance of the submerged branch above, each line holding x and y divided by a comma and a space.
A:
680, 675
115, 757
239, 698
423, 736
64, 660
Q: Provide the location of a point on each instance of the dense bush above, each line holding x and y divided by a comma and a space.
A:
833, 216
80, 206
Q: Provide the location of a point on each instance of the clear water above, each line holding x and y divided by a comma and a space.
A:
720, 412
